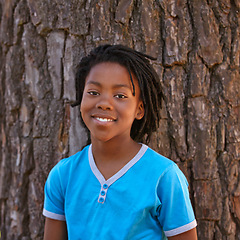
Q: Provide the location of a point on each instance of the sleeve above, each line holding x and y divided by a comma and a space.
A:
54, 196
175, 213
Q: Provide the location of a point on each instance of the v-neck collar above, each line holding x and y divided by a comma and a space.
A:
120, 173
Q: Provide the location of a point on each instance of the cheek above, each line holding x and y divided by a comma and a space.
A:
84, 103
129, 111
83, 110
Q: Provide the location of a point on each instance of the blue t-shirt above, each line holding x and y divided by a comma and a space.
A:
147, 199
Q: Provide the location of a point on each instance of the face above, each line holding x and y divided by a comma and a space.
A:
108, 106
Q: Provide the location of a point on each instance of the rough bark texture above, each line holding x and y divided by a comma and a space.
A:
197, 44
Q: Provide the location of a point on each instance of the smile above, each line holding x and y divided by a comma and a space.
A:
104, 119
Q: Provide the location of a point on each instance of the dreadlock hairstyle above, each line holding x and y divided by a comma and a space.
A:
137, 64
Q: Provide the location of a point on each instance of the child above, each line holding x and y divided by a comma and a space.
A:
117, 187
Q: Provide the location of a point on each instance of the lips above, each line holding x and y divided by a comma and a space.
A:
103, 118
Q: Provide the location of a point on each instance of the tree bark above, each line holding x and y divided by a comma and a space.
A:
197, 46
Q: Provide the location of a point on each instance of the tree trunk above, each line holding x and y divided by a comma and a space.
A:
197, 45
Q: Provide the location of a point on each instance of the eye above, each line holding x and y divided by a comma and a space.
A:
93, 93
121, 96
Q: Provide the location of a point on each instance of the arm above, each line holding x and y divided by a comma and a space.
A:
189, 235
55, 230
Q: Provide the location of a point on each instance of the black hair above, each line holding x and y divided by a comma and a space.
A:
138, 64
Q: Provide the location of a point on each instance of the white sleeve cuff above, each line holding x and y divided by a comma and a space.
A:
53, 215
181, 229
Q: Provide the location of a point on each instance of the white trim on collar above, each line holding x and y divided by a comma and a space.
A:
120, 173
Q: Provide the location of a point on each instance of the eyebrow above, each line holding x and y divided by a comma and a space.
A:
115, 86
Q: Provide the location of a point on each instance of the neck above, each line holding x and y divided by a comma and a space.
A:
112, 156
117, 150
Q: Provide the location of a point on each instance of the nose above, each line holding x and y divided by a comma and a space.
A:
105, 103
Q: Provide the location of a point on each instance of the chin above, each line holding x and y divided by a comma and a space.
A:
102, 139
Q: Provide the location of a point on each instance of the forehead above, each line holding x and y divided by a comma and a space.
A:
111, 73
108, 68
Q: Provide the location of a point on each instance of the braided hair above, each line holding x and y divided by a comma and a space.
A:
138, 64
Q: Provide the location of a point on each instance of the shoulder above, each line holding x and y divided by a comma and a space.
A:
63, 170
70, 162
165, 169
158, 161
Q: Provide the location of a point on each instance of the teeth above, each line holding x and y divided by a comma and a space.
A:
104, 119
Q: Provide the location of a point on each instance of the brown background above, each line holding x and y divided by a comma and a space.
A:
197, 43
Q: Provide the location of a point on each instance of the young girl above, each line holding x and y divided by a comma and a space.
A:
117, 188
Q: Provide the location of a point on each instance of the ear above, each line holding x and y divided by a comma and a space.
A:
140, 111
